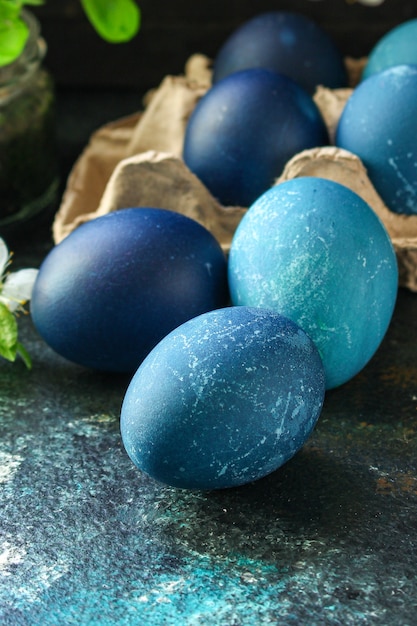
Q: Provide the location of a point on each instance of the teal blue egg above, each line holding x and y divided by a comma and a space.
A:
314, 251
379, 125
223, 400
397, 47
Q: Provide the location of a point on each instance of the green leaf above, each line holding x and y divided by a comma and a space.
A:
13, 30
13, 8
25, 355
10, 8
13, 36
116, 21
8, 333
10, 347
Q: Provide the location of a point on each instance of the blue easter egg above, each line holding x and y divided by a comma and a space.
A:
314, 251
223, 400
288, 43
379, 125
397, 47
116, 285
244, 130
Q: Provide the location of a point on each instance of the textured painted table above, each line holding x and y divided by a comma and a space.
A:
87, 539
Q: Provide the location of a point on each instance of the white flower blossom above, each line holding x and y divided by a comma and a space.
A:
15, 287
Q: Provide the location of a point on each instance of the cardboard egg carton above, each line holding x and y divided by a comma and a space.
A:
136, 161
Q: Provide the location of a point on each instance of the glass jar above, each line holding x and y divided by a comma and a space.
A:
28, 163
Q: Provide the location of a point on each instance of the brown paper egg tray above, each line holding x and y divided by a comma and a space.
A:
136, 161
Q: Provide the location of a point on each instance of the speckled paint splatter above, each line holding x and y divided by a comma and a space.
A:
87, 539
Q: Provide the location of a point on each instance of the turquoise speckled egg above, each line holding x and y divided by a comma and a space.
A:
379, 125
314, 251
223, 400
397, 47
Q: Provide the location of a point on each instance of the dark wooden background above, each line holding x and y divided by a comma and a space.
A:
172, 30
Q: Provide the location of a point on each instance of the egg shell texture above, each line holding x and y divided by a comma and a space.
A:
116, 285
397, 47
223, 400
244, 130
285, 42
314, 251
379, 125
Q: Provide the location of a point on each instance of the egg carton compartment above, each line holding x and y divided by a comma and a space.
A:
137, 161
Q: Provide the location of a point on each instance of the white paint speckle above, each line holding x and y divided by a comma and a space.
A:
9, 464
10, 555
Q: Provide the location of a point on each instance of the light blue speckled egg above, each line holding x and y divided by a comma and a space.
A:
379, 125
315, 252
223, 400
397, 47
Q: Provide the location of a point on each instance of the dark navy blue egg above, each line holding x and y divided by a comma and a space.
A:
379, 124
314, 251
289, 43
397, 47
244, 130
116, 285
223, 400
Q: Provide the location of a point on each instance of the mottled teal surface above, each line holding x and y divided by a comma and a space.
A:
86, 539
